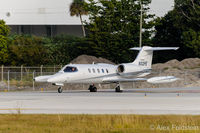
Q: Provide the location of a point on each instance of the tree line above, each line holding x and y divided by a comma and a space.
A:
113, 29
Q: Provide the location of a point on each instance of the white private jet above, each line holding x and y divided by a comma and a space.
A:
108, 73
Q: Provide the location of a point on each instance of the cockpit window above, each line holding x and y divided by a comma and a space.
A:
70, 69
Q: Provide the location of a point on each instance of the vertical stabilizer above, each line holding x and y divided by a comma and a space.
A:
145, 56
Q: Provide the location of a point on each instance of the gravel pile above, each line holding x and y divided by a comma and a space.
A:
188, 70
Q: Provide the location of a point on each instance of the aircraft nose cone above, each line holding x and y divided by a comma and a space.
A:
56, 79
51, 80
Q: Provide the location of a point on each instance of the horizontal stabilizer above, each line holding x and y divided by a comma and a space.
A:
155, 48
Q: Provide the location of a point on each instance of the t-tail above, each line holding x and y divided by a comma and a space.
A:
145, 56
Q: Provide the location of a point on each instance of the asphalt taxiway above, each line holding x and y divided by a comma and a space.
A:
102, 102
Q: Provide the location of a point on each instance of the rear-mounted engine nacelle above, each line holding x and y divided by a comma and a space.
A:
120, 69
125, 68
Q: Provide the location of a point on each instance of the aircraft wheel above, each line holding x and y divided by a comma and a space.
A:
95, 89
60, 90
117, 89
92, 88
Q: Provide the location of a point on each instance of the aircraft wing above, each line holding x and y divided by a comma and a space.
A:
115, 80
153, 80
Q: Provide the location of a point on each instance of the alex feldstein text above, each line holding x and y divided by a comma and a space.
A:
174, 127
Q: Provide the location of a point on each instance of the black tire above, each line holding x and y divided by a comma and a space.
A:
117, 89
92, 89
60, 90
95, 89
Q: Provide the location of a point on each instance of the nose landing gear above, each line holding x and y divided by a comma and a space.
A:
118, 88
60, 89
92, 88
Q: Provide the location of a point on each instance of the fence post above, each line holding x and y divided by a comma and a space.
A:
41, 69
8, 80
185, 77
21, 72
2, 73
33, 81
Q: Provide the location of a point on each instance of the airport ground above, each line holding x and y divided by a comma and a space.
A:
105, 111
131, 101
107, 101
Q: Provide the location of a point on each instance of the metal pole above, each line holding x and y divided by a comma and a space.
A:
21, 72
141, 24
33, 81
41, 69
51, 31
2, 73
8, 80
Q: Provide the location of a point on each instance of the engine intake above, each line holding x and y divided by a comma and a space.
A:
120, 69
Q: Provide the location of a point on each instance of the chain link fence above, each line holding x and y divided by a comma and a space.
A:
21, 77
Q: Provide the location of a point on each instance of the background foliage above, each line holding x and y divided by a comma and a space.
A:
4, 31
112, 30
33, 51
180, 27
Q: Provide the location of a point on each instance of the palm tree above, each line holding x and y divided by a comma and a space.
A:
77, 9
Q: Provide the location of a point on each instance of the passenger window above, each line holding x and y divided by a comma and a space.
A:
98, 70
107, 70
102, 70
89, 70
93, 70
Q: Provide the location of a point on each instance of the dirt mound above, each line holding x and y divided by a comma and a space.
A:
190, 63
188, 70
86, 59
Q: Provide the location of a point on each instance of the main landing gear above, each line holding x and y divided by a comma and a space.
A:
60, 89
92, 88
118, 88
